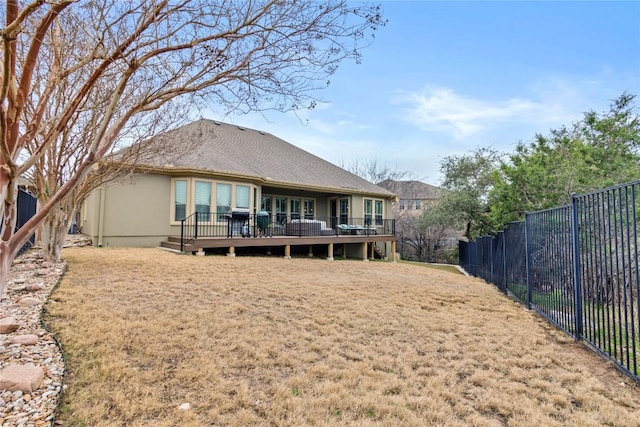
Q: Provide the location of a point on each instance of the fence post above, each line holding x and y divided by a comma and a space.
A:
503, 238
195, 234
182, 235
577, 282
493, 279
527, 252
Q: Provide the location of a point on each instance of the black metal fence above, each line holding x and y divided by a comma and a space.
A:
577, 265
26, 209
244, 224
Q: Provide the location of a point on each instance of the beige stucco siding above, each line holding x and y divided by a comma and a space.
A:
136, 212
88, 215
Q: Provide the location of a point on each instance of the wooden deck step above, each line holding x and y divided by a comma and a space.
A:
175, 245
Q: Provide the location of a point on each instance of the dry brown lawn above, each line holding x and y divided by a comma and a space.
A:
267, 341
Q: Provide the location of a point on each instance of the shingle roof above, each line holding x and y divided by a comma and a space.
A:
412, 190
221, 148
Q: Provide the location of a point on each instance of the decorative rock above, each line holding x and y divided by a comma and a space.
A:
8, 325
28, 301
185, 406
23, 378
37, 408
33, 287
24, 339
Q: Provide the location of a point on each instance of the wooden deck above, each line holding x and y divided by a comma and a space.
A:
203, 243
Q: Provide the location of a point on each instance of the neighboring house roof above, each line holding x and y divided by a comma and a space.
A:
412, 190
219, 148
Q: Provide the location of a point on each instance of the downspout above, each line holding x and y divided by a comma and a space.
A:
101, 207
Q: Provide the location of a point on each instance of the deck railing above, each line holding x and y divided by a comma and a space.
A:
256, 225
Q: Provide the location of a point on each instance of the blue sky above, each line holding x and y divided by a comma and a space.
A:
444, 78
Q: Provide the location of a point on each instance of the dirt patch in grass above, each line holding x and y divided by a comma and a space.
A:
269, 341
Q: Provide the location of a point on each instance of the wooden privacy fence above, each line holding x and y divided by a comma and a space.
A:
576, 265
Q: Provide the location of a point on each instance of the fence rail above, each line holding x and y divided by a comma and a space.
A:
576, 265
244, 224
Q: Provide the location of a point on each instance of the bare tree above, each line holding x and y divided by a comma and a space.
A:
130, 59
374, 170
422, 237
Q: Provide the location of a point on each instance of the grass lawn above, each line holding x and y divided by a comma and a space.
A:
272, 342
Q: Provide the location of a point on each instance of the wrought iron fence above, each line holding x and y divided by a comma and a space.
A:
576, 265
26, 209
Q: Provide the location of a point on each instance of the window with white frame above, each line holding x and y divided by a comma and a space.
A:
344, 211
265, 204
180, 199
203, 200
378, 212
223, 200
368, 211
242, 196
281, 210
418, 204
296, 208
309, 209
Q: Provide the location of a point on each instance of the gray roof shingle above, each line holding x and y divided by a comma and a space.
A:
413, 190
220, 148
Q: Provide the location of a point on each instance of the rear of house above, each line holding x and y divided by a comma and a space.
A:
219, 175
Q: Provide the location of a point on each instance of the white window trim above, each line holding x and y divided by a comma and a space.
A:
190, 209
172, 202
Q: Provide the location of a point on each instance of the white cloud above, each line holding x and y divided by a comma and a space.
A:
441, 109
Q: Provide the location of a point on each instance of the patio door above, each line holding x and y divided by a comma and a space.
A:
281, 210
344, 211
333, 212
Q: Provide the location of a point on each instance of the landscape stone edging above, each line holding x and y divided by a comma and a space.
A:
39, 407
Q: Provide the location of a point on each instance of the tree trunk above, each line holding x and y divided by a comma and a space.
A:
8, 216
54, 233
5, 263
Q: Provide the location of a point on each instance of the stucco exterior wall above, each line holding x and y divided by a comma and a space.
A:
135, 212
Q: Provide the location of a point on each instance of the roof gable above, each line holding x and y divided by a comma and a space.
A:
412, 190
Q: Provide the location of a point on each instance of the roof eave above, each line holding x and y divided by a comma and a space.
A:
263, 180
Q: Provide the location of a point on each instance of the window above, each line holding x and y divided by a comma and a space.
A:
281, 210
223, 200
180, 200
265, 204
344, 211
242, 196
295, 208
418, 204
203, 200
368, 209
378, 212
403, 205
309, 209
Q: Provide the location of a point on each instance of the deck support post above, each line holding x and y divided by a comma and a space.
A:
287, 252
200, 252
310, 254
371, 254
364, 252
330, 252
393, 251
232, 251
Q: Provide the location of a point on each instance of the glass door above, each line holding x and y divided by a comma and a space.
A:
344, 211
281, 210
